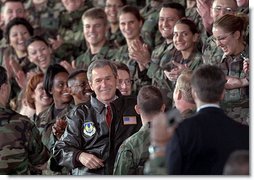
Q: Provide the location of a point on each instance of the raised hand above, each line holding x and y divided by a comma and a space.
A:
59, 127
139, 52
175, 72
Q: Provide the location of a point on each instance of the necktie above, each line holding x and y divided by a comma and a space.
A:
108, 116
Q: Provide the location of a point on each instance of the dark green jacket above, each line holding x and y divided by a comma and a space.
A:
21, 144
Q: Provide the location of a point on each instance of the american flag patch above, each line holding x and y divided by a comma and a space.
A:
129, 120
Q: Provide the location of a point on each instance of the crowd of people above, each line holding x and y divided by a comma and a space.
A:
124, 87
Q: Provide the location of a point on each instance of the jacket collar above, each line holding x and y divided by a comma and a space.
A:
99, 106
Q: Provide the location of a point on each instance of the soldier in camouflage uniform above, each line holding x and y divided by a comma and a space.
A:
161, 131
95, 27
45, 17
211, 53
14, 57
70, 44
133, 153
149, 29
10, 9
192, 13
169, 14
114, 34
185, 39
132, 54
40, 53
21, 144
55, 85
236, 99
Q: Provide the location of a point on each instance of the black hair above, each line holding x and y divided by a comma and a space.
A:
50, 74
15, 22
180, 8
35, 38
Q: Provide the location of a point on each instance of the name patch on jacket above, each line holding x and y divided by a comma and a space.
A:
127, 120
89, 128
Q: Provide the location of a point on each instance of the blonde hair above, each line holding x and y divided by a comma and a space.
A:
183, 83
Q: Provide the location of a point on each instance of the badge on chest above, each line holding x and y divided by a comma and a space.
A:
129, 120
89, 128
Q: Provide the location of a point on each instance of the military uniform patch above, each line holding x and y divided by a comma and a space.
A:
129, 120
89, 128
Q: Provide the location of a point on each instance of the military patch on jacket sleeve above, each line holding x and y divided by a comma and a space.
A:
128, 120
89, 128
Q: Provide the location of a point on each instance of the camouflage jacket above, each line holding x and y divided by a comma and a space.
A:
149, 29
9, 53
212, 54
194, 60
20, 145
161, 56
71, 31
133, 153
45, 21
236, 101
192, 14
107, 52
140, 78
116, 38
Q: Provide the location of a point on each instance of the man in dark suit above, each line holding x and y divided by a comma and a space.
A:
202, 143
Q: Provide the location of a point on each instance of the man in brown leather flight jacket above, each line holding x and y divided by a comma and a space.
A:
89, 144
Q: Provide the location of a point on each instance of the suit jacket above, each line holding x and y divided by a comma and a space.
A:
202, 143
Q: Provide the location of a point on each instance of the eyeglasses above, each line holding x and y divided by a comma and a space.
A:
222, 38
127, 82
226, 10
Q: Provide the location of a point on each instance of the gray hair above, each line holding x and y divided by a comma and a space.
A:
100, 64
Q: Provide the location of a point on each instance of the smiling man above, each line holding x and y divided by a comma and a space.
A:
169, 14
90, 142
95, 26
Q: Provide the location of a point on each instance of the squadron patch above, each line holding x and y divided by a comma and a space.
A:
89, 128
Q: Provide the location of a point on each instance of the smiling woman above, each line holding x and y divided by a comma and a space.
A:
14, 57
39, 52
228, 32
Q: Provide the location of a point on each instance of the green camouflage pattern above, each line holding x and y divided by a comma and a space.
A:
149, 29
156, 166
71, 31
192, 14
139, 78
161, 56
236, 101
106, 52
212, 54
46, 20
116, 38
20, 145
25, 64
133, 153
194, 61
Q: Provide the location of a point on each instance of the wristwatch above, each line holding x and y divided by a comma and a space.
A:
155, 149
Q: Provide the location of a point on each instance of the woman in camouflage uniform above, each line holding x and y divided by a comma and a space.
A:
185, 38
14, 57
228, 32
